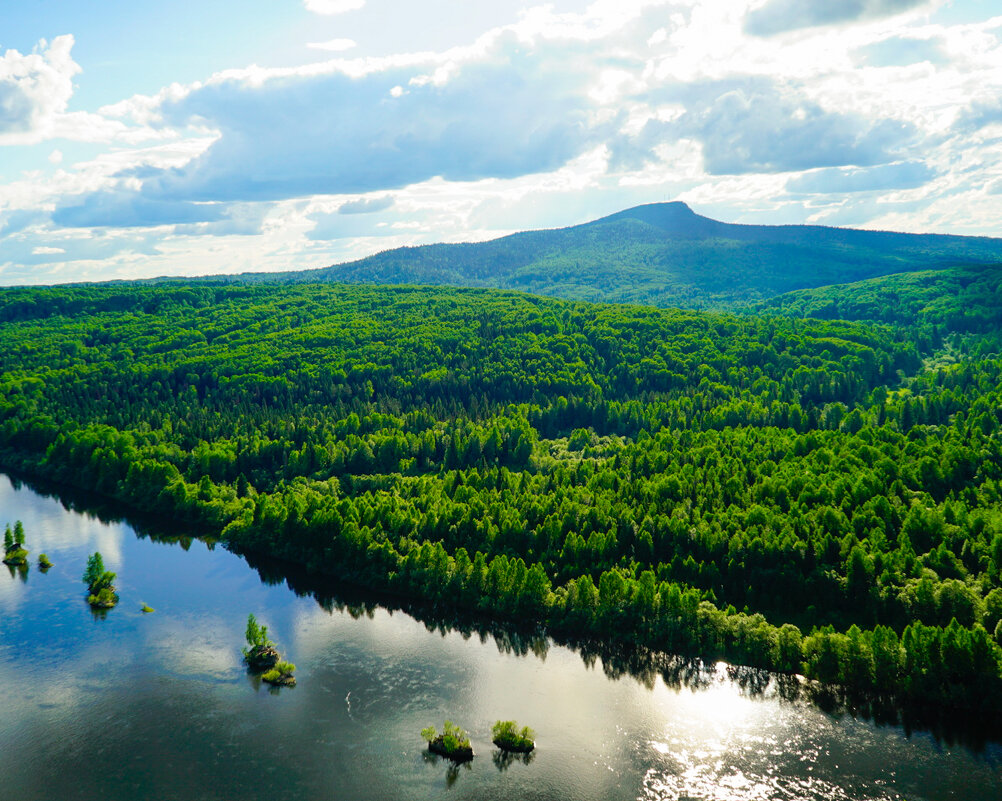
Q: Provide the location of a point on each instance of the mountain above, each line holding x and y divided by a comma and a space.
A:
661, 254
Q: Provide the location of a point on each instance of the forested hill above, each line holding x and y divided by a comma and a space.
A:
662, 255
962, 300
793, 494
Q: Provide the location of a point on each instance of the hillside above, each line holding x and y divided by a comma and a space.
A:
660, 255
760, 489
958, 300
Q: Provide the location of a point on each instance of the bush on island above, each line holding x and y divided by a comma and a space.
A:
508, 737
281, 674
453, 743
261, 653
100, 583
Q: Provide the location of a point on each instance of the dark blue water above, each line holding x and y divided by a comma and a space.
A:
159, 706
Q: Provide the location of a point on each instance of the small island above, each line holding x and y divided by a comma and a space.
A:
262, 656
146, 609
281, 674
15, 554
508, 737
100, 583
453, 743
43, 562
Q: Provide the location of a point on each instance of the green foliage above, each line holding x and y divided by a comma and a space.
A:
256, 634
958, 299
100, 582
453, 740
17, 556
43, 561
103, 598
506, 734
94, 570
281, 673
146, 609
15, 553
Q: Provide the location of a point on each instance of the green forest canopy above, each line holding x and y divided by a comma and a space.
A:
801, 495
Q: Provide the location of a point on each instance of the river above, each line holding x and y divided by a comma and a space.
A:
134, 706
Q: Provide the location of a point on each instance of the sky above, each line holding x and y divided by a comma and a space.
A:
141, 139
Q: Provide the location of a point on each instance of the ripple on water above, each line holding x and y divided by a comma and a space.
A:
719, 782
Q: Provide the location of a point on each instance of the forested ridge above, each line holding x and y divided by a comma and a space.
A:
804, 495
961, 300
660, 254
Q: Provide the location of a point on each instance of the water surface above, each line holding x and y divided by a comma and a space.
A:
159, 706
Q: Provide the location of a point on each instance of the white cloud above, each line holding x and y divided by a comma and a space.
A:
333, 6
35, 90
777, 16
556, 118
333, 45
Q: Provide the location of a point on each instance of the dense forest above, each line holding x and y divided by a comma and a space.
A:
959, 300
661, 254
811, 496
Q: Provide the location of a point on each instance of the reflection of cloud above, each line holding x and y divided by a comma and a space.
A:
201, 646
49, 528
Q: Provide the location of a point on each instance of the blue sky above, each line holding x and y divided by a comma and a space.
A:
180, 138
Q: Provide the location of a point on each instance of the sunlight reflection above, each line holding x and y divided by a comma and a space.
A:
721, 745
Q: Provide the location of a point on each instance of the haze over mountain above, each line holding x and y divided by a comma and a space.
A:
661, 254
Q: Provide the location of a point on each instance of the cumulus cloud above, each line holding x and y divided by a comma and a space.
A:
333, 6
28, 251
755, 126
508, 112
778, 16
35, 89
127, 209
562, 116
365, 206
13, 221
330, 226
978, 115
121, 208
901, 51
905, 175
333, 45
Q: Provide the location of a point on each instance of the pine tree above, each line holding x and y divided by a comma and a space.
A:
95, 570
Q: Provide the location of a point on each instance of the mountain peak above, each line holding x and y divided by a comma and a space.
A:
674, 218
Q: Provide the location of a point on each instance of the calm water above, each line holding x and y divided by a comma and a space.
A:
159, 706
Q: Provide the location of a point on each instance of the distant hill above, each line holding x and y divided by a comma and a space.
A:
962, 300
661, 254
